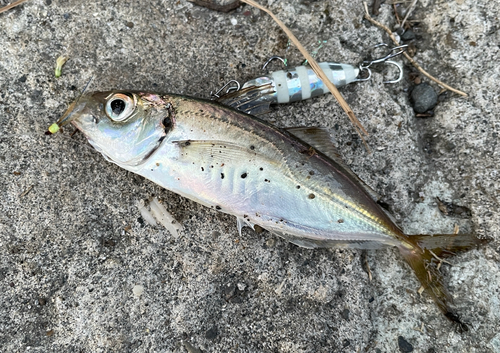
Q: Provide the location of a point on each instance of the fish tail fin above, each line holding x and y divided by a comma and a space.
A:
422, 257
446, 245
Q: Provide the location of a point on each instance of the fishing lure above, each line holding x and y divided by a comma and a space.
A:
298, 83
291, 182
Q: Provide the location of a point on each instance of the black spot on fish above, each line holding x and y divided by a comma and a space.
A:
222, 175
202, 169
217, 207
252, 147
311, 172
312, 196
298, 186
187, 143
340, 221
267, 180
261, 169
243, 176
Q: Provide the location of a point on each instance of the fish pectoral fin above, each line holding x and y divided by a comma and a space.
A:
321, 140
310, 243
213, 151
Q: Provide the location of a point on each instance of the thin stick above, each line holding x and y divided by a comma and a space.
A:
396, 14
14, 4
314, 65
410, 59
410, 9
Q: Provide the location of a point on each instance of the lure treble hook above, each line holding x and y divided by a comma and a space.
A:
365, 65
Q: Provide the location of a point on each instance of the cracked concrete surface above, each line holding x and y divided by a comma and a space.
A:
72, 246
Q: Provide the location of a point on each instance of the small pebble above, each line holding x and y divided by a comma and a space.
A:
211, 333
404, 345
138, 290
424, 98
408, 35
345, 314
271, 242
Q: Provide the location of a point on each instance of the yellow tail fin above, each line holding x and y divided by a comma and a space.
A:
422, 259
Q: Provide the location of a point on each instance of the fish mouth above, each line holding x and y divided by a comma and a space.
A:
74, 110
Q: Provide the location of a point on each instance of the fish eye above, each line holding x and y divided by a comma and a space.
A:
120, 106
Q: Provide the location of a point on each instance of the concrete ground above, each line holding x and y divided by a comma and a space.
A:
72, 245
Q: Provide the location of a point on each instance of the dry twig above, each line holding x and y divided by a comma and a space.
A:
413, 62
25, 192
14, 4
314, 65
410, 9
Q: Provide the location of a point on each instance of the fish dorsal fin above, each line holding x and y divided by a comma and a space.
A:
321, 140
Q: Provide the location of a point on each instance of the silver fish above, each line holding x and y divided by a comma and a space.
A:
290, 182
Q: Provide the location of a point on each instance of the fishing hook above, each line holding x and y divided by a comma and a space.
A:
274, 57
365, 65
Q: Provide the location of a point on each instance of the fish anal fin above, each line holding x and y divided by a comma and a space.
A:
321, 140
311, 243
242, 222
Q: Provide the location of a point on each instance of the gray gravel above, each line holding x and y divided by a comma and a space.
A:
72, 246
424, 98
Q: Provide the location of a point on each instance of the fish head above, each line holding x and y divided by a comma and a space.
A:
126, 127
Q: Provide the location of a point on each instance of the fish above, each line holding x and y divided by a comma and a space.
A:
291, 182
